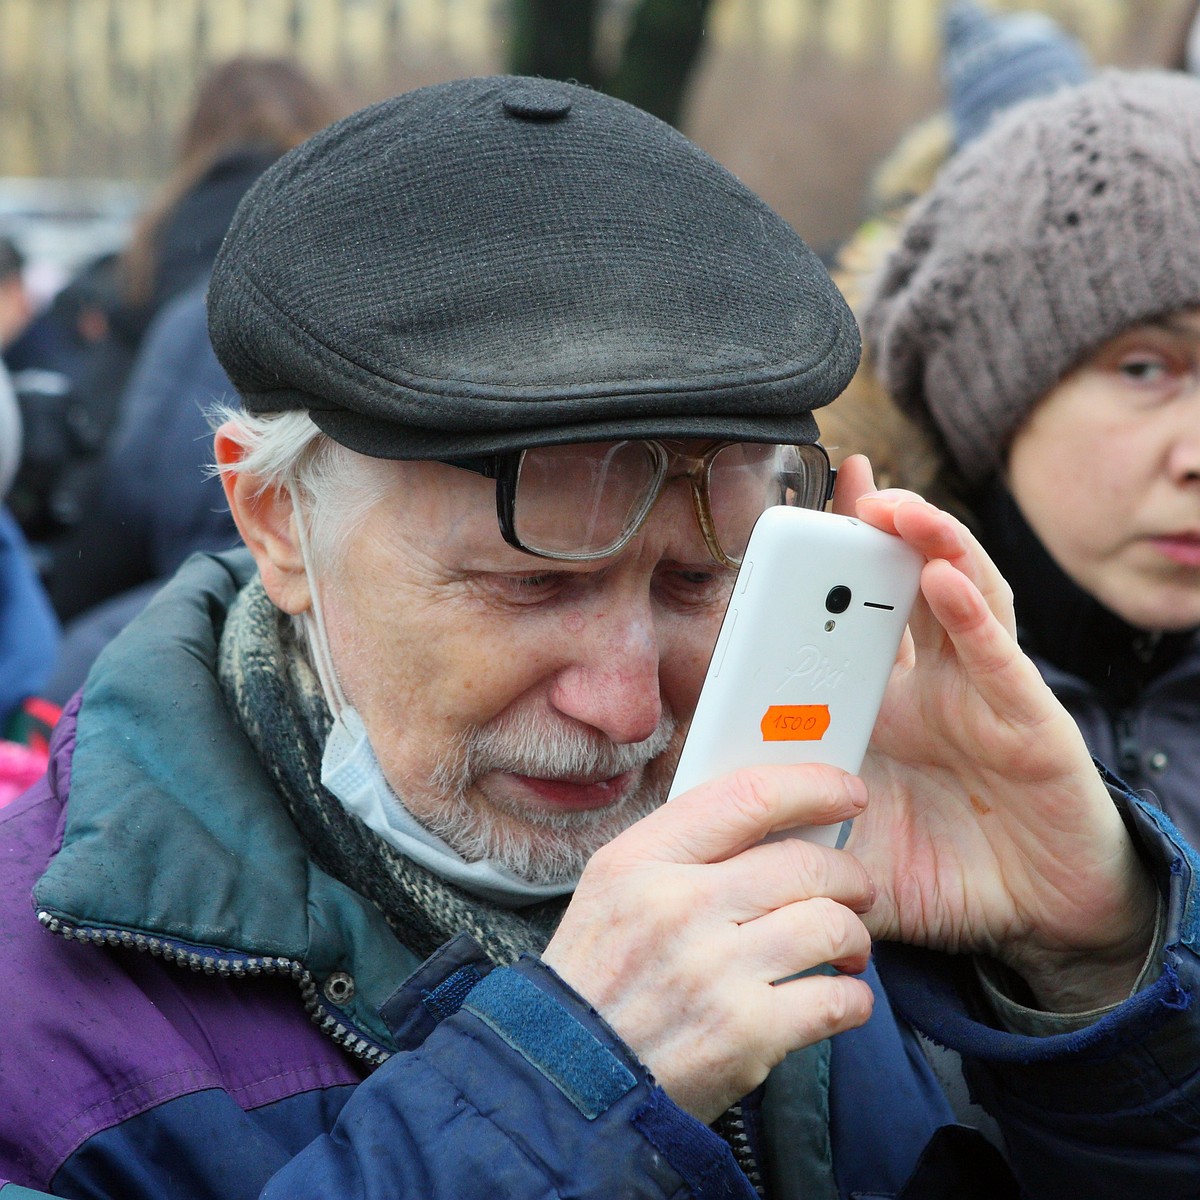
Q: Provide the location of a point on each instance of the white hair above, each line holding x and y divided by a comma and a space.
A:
334, 485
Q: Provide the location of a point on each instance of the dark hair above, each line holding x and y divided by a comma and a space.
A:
268, 104
12, 261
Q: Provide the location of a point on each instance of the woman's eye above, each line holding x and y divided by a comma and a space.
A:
1163, 369
1144, 369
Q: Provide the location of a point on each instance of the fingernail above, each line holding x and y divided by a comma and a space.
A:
857, 791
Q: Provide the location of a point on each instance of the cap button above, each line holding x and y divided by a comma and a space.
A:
537, 102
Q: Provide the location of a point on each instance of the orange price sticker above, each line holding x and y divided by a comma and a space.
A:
795, 722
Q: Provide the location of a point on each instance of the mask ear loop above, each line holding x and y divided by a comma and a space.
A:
314, 621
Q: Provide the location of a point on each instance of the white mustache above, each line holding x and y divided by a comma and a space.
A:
539, 748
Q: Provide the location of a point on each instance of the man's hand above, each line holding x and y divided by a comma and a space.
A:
989, 829
680, 927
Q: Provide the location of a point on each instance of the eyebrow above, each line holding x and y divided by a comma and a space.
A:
1174, 323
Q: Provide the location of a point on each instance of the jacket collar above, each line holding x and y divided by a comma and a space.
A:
173, 831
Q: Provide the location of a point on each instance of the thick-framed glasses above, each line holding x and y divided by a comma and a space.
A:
587, 500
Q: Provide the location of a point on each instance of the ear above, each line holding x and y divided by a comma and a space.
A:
266, 520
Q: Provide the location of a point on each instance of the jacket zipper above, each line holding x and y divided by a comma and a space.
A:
235, 966
731, 1126
1129, 765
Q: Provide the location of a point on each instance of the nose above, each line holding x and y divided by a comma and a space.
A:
611, 682
1183, 461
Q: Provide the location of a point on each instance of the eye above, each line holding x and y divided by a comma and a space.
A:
694, 587
1151, 364
527, 589
1145, 368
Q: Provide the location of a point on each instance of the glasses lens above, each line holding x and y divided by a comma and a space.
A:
746, 478
806, 476
579, 501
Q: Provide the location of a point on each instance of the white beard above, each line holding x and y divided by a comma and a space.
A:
541, 846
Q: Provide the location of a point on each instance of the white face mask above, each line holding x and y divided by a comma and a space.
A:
350, 770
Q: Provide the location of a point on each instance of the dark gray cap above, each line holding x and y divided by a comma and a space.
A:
496, 263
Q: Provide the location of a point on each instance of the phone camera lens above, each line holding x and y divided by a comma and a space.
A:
838, 599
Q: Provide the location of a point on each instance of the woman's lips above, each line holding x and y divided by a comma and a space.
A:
1183, 548
570, 796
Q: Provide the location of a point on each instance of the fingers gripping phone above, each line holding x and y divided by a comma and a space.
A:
805, 649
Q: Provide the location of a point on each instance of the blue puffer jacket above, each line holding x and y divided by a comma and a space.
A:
29, 632
194, 1009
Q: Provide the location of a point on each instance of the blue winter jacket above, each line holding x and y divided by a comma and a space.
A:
29, 631
194, 1009
1152, 743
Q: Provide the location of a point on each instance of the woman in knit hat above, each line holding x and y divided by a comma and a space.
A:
1040, 322
990, 61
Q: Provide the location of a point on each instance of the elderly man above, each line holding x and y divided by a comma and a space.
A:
352, 869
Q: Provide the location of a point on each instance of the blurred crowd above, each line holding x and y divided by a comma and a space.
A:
106, 392
979, 310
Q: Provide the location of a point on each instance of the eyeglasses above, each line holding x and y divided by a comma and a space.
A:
588, 500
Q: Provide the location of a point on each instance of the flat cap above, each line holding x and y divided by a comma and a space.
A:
503, 262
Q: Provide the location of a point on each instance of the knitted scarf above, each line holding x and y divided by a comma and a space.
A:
275, 694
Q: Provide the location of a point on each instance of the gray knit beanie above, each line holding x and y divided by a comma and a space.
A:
490, 264
1075, 216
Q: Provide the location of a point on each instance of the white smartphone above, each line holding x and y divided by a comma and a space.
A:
805, 650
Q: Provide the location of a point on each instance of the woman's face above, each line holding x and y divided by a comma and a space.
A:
1106, 470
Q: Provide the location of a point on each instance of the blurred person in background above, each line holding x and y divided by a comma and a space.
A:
64, 427
28, 631
247, 111
990, 61
1038, 325
16, 304
158, 502
993, 60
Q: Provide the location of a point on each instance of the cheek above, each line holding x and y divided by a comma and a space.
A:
1073, 484
687, 646
420, 682
1063, 522
435, 671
